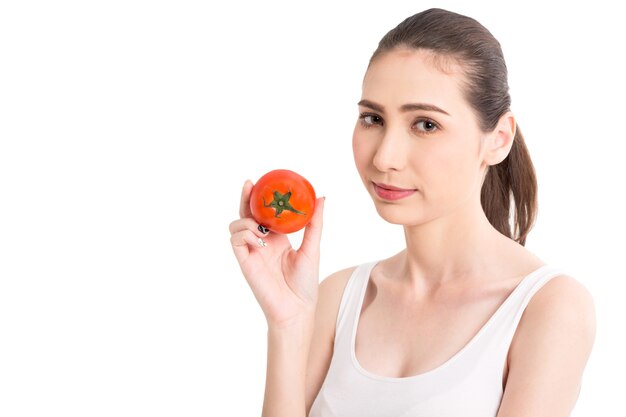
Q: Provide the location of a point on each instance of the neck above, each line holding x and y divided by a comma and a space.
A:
451, 249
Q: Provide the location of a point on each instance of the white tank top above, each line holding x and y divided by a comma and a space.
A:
467, 385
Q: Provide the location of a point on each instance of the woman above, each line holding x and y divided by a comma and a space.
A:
463, 322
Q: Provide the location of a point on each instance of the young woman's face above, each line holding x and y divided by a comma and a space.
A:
402, 140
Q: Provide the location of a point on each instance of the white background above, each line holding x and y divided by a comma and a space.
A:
128, 128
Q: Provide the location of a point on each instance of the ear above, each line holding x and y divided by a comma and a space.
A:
500, 140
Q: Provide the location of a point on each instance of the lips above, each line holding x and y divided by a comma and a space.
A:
392, 194
392, 188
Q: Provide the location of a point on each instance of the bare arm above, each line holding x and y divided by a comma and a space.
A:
285, 282
299, 356
550, 351
287, 357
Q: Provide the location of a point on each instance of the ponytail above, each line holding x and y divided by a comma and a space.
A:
514, 176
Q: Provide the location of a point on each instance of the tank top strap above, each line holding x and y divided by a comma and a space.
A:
492, 348
505, 322
351, 299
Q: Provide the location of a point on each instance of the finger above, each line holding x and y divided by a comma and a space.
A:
244, 206
242, 242
246, 224
313, 231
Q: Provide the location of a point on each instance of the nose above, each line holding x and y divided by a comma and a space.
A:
391, 152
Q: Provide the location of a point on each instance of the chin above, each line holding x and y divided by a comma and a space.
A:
396, 214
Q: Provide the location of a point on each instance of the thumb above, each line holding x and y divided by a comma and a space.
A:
313, 232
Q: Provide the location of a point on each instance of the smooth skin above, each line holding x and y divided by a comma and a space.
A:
423, 304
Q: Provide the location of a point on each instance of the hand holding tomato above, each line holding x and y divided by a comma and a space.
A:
284, 281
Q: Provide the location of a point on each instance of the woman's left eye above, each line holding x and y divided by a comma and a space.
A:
428, 125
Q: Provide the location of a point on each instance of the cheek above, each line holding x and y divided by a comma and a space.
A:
451, 172
360, 151
462, 162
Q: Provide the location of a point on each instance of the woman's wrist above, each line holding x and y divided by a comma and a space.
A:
298, 325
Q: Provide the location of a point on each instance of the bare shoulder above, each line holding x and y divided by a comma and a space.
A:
337, 280
561, 303
550, 350
563, 298
330, 292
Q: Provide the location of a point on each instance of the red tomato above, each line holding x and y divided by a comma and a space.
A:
283, 201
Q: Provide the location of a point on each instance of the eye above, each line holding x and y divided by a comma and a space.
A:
368, 119
428, 126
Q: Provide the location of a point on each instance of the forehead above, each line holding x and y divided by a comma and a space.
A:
406, 76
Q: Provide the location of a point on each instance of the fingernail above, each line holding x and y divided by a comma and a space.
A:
262, 242
263, 229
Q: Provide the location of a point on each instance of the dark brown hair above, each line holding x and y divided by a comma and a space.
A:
486, 89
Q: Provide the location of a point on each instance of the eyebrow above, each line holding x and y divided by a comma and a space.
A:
404, 108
